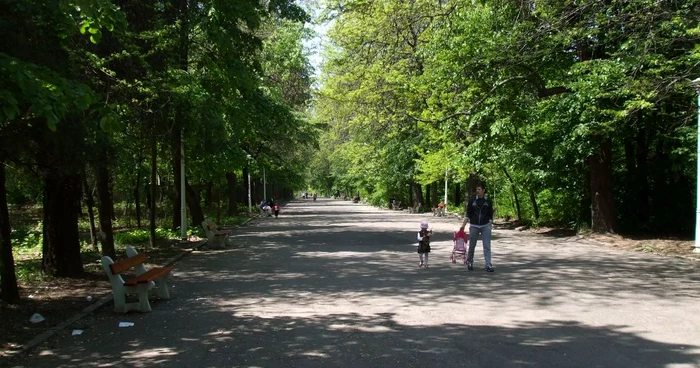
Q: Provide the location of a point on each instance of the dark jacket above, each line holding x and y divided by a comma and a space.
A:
480, 210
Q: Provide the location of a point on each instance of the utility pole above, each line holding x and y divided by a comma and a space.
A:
250, 203
446, 169
183, 205
696, 83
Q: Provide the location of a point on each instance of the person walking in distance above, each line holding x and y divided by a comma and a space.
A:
424, 243
480, 218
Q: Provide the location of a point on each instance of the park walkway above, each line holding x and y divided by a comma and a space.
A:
336, 284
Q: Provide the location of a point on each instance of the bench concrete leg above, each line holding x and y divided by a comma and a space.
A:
219, 242
144, 305
161, 289
120, 303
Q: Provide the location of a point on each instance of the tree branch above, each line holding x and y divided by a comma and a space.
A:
469, 112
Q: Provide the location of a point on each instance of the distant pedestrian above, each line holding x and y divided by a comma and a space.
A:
480, 218
424, 244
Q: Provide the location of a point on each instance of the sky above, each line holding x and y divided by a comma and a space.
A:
315, 45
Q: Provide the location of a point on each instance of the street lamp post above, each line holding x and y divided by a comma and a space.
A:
264, 185
446, 170
183, 193
250, 202
696, 83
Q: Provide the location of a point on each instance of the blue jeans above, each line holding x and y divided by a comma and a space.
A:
485, 232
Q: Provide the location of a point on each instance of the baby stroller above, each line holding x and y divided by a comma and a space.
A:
459, 249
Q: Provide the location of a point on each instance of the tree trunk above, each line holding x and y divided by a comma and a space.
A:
533, 201
218, 205
641, 179
416, 194
91, 211
105, 207
427, 194
153, 186
515, 194
231, 193
602, 201
434, 194
209, 194
61, 246
458, 195
8, 279
192, 199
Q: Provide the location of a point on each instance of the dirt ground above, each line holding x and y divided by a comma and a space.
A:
59, 299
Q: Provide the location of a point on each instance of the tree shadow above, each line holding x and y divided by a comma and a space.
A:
296, 293
230, 339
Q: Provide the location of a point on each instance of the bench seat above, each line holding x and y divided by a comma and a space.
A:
146, 283
148, 276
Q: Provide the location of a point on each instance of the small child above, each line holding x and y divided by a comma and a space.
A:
424, 243
276, 208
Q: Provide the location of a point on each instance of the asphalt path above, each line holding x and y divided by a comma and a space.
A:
336, 284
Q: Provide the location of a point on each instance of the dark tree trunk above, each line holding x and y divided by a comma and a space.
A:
533, 201
8, 279
153, 186
416, 195
110, 191
602, 201
61, 248
516, 201
427, 194
434, 194
105, 207
458, 195
91, 211
209, 194
217, 195
231, 193
192, 198
641, 179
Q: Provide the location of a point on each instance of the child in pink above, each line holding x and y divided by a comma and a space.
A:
424, 243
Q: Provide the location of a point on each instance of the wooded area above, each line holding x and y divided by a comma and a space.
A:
97, 96
577, 113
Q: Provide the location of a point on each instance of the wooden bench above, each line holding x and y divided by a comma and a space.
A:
145, 283
216, 237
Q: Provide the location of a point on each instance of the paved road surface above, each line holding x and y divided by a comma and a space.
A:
336, 284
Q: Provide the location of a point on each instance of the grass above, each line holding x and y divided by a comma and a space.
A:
27, 238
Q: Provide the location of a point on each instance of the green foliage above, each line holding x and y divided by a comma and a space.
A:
522, 96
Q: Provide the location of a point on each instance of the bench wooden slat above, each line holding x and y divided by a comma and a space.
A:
150, 275
127, 263
222, 232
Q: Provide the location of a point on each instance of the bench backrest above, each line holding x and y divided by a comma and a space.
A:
127, 263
